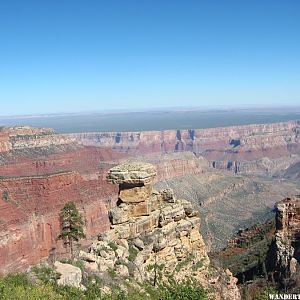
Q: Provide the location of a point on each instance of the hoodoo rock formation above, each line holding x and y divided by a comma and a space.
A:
154, 234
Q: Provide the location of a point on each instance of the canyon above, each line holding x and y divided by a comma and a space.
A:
266, 254
233, 175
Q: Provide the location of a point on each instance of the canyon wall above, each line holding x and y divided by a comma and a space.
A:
263, 148
196, 140
30, 207
235, 148
25, 137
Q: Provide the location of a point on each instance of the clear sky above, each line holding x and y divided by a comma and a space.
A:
65, 56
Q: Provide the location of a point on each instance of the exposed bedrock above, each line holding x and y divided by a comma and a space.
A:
153, 230
30, 206
286, 247
241, 149
228, 202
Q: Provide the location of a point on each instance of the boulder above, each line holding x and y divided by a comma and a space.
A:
123, 243
89, 257
183, 226
187, 206
69, 275
159, 244
132, 173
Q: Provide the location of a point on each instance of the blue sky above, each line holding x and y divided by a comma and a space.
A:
69, 56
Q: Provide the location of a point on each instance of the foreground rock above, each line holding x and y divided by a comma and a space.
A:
68, 275
153, 235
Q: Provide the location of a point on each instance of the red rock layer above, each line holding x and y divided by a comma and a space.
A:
30, 206
83, 160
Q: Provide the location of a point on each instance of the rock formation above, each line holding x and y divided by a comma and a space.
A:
287, 238
234, 148
153, 234
263, 149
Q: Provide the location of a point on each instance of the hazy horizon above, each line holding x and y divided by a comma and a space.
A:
208, 108
155, 119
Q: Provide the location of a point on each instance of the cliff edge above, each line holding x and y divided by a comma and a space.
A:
154, 235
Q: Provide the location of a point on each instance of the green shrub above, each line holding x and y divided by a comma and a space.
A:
188, 290
264, 294
92, 284
18, 287
18, 279
184, 262
45, 274
5, 196
113, 246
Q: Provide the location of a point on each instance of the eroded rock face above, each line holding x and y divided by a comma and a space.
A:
287, 237
29, 222
258, 148
152, 231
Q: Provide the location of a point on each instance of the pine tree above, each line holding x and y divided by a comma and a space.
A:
71, 225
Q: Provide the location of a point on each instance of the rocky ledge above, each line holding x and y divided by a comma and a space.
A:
154, 235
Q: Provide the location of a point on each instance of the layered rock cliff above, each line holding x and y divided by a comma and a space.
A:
287, 240
154, 235
25, 137
29, 222
263, 149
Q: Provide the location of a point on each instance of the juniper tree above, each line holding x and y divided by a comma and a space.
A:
71, 225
